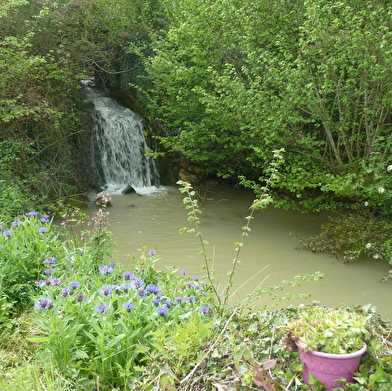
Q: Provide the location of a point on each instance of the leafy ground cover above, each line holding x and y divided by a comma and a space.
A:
72, 319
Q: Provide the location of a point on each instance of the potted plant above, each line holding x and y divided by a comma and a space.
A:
330, 342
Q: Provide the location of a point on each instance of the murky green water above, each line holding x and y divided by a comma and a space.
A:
270, 252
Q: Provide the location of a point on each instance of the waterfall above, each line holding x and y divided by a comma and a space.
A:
119, 146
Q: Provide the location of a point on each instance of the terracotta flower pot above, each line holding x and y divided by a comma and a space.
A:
327, 367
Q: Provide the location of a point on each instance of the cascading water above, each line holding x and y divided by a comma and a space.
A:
119, 146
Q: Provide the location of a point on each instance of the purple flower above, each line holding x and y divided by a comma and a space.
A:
183, 271
112, 264
106, 289
65, 291
128, 306
31, 214
7, 233
42, 229
101, 307
180, 298
49, 271
1, 227
139, 282
40, 283
196, 278
128, 275
73, 284
125, 287
80, 297
46, 217
204, 309
50, 260
153, 288
15, 223
162, 311
55, 281
43, 303
191, 285
104, 269
191, 298
152, 252
156, 301
168, 303
142, 292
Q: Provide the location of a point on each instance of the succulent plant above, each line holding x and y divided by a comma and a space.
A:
328, 330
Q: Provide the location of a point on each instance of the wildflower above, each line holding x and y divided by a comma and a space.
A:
183, 271
43, 303
191, 298
50, 260
196, 278
139, 282
389, 168
7, 233
368, 245
179, 299
128, 306
49, 271
80, 297
204, 309
152, 252
47, 217
42, 229
73, 284
142, 292
1, 227
125, 287
128, 275
366, 203
47, 281
381, 190
104, 269
50, 304
15, 223
376, 256
168, 303
40, 283
112, 264
31, 214
101, 307
153, 288
162, 311
191, 285
65, 291
155, 301
55, 281
106, 289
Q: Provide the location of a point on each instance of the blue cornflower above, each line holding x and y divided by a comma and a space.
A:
128, 275
55, 281
46, 217
49, 271
162, 311
196, 278
50, 260
31, 213
204, 309
80, 297
43, 303
40, 283
191, 298
178, 298
156, 301
191, 285
152, 252
153, 288
168, 303
139, 282
65, 291
112, 264
128, 306
183, 271
15, 223
142, 292
106, 289
73, 284
1, 227
7, 233
125, 287
42, 229
101, 307
104, 269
